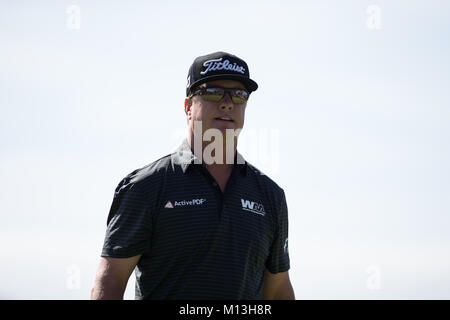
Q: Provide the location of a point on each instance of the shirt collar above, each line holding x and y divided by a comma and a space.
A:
184, 157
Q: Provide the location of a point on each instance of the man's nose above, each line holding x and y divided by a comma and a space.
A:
226, 103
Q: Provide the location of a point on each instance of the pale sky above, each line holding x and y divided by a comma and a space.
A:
350, 119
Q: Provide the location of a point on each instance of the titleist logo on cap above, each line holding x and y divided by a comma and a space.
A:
216, 64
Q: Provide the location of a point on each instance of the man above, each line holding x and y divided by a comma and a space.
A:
200, 223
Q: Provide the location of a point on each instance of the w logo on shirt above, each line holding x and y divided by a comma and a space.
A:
252, 206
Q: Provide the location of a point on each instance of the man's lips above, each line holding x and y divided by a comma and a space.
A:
224, 119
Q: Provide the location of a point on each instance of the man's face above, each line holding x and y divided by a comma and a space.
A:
210, 112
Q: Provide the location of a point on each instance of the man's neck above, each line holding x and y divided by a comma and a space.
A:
207, 154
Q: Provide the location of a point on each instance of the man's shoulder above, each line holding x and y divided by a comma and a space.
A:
265, 180
146, 176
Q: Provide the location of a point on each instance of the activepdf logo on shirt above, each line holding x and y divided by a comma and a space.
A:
183, 203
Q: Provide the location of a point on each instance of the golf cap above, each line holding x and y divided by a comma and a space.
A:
219, 66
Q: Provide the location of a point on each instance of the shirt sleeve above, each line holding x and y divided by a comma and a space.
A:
278, 260
129, 224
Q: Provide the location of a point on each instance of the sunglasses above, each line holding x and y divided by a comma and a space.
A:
216, 94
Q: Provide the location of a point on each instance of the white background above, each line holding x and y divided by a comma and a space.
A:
351, 119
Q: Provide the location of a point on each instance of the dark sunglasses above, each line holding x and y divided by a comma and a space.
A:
216, 94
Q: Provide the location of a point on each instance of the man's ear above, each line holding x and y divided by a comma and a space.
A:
187, 106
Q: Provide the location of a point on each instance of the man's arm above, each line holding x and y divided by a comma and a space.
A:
277, 286
112, 277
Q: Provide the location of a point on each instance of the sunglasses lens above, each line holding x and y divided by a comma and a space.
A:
213, 94
240, 96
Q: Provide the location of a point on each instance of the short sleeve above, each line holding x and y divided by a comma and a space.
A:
129, 224
278, 260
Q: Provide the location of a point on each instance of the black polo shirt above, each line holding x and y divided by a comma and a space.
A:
197, 242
